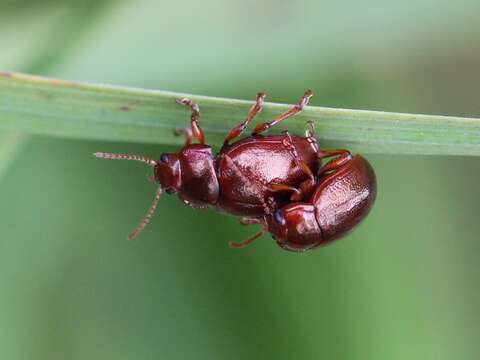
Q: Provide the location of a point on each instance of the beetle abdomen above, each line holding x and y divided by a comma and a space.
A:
344, 198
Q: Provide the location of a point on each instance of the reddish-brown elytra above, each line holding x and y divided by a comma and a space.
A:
248, 178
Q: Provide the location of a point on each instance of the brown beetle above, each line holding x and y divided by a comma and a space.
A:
344, 194
247, 178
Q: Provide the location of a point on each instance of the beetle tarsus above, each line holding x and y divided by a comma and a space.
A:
293, 111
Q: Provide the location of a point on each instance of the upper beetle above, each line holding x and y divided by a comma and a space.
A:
250, 178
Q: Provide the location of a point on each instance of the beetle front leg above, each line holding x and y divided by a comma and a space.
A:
195, 117
293, 111
254, 110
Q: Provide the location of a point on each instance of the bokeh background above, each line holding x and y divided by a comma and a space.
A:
404, 285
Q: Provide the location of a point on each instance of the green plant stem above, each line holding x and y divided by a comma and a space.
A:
60, 108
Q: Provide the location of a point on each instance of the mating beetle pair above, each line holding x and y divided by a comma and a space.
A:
273, 181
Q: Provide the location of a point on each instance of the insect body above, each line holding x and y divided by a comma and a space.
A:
272, 181
246, 178
337, 203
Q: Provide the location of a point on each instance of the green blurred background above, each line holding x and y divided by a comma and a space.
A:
404, 285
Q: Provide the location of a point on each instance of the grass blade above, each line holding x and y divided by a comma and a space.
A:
88, 111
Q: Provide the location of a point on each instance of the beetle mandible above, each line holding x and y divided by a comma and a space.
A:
250, 178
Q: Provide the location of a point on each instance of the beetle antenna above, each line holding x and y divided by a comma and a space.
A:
103, 155
241, 245
148, 216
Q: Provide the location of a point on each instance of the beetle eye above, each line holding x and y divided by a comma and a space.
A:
274, 237
278, 216
164, 158
170, 191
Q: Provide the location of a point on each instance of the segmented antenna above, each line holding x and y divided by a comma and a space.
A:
148, 215
103, 155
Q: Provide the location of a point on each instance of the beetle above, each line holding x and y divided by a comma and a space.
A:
250, 178
345, 192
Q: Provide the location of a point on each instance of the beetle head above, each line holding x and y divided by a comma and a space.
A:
167, 173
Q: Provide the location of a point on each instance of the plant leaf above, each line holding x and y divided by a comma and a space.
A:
88, 111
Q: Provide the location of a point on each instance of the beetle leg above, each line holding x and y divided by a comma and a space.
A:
249, 221
196, 130
293, 111
322, 154
297, 194
344, 156
300, 163
245, 243
237, 130
311, 129
310, 135
187, 134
